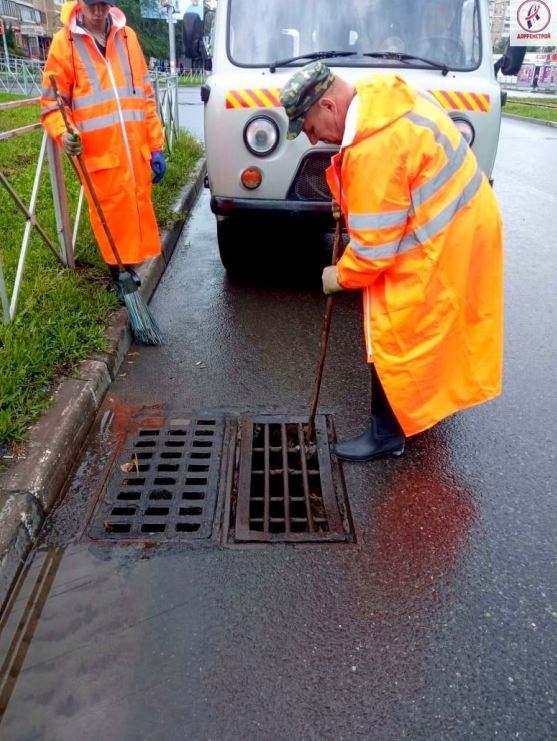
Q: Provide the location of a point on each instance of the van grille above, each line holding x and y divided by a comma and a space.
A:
309, 183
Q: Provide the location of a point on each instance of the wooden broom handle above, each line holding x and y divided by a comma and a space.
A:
324, 335
86, 177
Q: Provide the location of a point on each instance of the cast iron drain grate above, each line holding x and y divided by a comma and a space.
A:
283, 491
164, 484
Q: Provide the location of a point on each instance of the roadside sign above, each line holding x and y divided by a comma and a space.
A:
533, 22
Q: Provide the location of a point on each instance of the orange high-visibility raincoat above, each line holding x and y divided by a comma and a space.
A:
111, 104
426, 250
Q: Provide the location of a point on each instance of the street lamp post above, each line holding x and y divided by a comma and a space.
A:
171, 34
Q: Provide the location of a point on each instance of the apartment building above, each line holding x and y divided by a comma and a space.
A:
500, 15
33, 22
51, 9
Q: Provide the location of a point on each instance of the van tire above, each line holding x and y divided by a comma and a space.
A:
234, 237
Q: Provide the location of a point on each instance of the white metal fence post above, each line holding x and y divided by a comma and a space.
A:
168, 111
28, 228
60, 200
77, 219
4, 296
176, 106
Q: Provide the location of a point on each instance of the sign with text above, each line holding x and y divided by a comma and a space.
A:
533, 23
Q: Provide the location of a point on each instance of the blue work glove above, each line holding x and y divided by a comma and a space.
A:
158, 166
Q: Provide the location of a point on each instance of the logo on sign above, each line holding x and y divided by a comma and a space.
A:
533, 17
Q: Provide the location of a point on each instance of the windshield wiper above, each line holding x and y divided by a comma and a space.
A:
312, 55
401, 57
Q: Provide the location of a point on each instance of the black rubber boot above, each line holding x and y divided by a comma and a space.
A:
383, 437
135, 277
115, 273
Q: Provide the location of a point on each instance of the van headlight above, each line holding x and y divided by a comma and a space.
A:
261, 136
465, 128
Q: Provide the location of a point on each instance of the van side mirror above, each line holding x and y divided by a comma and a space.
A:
511, 61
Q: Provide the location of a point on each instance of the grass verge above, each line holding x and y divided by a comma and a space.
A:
191, 81
61, 314
543, 109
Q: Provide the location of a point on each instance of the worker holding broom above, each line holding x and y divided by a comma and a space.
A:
425, 249
111, 124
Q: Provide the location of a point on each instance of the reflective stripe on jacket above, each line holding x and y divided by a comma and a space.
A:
111, 103
426, 249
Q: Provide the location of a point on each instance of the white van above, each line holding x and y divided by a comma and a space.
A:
256, 176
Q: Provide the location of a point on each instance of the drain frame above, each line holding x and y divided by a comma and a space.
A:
168, 494
334, 499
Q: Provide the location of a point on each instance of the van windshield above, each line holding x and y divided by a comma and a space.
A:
444, 31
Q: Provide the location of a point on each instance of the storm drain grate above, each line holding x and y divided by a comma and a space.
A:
164, 484
285, 491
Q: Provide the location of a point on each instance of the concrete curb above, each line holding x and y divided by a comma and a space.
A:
20, 520
527, 119
30, 487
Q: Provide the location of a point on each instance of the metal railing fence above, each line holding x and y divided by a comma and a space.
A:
65, 250
21, 76
166, 94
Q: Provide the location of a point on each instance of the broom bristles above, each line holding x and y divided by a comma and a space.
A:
143, 325
142, 322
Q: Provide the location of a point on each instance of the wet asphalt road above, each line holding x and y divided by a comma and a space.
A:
190, 111
439, 624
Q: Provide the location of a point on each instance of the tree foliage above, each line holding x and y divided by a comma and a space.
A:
153, 34
500, 46
10, 37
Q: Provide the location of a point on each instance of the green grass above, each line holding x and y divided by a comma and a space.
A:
180, 164
195, 81
62, 314
544, 109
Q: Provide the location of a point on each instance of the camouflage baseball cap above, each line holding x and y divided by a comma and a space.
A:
301, 91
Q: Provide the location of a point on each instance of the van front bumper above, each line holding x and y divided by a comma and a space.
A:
222, 206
